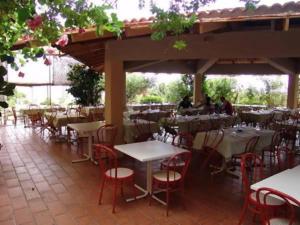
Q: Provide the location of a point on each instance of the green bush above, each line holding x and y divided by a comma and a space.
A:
151, 99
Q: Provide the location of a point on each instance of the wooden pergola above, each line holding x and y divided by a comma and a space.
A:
229, 41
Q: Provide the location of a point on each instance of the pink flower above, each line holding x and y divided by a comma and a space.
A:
62, 41
35, 23
81, 30
47, 62
51, 51
21, 74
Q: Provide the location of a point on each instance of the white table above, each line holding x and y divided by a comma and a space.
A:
86, 130
287, 182
148, 152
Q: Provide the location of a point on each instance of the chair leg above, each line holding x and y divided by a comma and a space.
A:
114, 196
101, 191
245, 206
168, 199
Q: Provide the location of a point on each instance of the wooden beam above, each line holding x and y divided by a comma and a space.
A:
202, 67
136, 68
209, 27
286, 24
90, 35
286, 66
276, 44
293, 85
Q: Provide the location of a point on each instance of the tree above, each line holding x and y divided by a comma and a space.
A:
176, 90
86, 85
215, 88
136, 85
273, 95
18, 97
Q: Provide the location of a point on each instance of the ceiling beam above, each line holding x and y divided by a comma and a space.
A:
138, 67
286, 66
276, 44
202, 67
209, 27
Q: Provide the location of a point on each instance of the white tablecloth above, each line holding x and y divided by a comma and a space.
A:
235, 142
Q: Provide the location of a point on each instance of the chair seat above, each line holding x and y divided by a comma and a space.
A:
270, 201
179, 163
121, 173
162, 176
282, 221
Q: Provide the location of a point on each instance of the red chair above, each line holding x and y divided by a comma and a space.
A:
271, 149
289, 216
249, 148
182, 140
211, 142
252, 172
170, 180
106, 135
112, 172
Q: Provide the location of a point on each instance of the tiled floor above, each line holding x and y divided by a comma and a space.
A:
39, 185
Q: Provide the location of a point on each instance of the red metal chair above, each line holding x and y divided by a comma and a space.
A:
252, 172
106, 135
289, 216
170, 180
211, 142
249, 148
182, 140
112, 172
271, 149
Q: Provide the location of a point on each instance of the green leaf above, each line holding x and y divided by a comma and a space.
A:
179, 45
23, 15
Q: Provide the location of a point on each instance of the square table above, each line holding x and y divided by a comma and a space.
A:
286, 181
148, 152
86, 130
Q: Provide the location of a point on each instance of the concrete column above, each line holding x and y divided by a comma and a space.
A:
198, 82
115, 87
292, 98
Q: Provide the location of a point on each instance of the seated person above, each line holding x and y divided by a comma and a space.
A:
226, 106
185, 103
208, 107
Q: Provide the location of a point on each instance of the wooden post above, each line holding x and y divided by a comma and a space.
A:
115, 87
198, 82
292, 98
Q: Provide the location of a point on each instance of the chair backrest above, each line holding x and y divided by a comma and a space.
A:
213, 138
251, 144
181, 162
108, 160
183, 140
276, 138
107, 134
143, 131
252, 170
285, 157
288, 201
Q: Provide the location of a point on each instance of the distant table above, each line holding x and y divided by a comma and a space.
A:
86, 130
62, 119
148, 152
287, 182
234, 142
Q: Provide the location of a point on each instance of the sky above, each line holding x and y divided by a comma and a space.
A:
126, 10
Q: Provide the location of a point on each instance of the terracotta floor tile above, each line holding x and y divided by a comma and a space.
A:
58, 188
23, 216
12, 182
19, 202
43, 187
8, 222
49, 196
37, 205
37, 178
56, 208
15, 192
32, 194
52, 179
44, 218
65, 220
24, 176
6, 213
27, 185
4, 200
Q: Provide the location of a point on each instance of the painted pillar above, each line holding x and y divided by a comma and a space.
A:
198, 82
292, 98
115, 87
